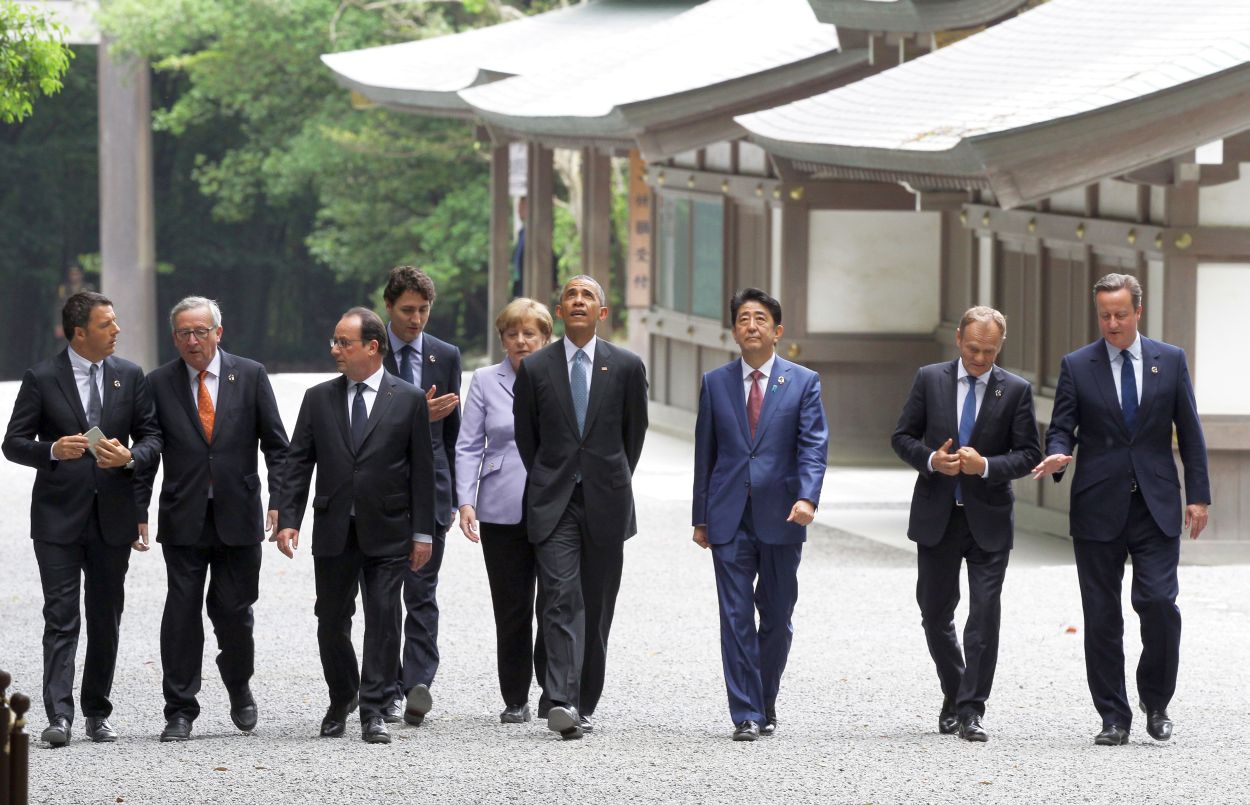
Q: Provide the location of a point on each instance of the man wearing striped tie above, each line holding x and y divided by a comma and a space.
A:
968, 429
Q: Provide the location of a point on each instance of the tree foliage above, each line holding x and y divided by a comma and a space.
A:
33, 59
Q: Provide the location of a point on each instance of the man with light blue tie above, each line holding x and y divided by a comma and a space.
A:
761, 446
1116, 404
961, 507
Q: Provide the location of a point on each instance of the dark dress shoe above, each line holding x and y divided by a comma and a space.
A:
583, 721
970, 729
565, 721
177, 729
1158, 725
948, 719
746, 731
1111, 736
100, 730
57, 733
373, 731
335, 722
419, 703
515, 714
769, 727
243, 710
393, 713
544, 705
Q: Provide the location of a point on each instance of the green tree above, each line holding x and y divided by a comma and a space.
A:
33, 59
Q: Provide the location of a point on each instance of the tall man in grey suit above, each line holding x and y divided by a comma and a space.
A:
581, 416
432, 365
84, 514
1116, 404
214, 410
367, 434
968, 428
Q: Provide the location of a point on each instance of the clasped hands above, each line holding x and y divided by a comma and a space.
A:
109, 453
965, 459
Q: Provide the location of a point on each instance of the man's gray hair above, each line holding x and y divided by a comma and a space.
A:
594, 283
1114, 282
195, 303
984, 315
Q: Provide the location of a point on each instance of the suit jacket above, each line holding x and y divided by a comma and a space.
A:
605, 456
246, 414
1005, 434
440, 366
489, 473
389, 482
1088, 424
784, 462
47, 408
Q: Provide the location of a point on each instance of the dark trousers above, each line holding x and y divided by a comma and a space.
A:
965, 676
101, 570
1100, 571
512, 569
420, 653
338, 578
580, 580
232, 591
755, 577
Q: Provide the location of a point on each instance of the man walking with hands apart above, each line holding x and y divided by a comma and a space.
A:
1119, 399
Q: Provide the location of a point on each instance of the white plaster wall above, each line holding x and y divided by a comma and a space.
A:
873, 271
752, 160
1069, 202
1219, 348
1117, 200
985, 271
1226, 204
1158, 205
718, 157
686, 159
774, 247
1153, 303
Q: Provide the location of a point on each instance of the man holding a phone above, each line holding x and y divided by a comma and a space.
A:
83, 512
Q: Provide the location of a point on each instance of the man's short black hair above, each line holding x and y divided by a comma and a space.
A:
77, 311
754, 295
371, 327
408, 278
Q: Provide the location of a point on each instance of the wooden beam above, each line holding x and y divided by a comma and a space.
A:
538, 225
499, 281
597, 222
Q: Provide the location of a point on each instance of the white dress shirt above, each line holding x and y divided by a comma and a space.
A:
82, 380
417, 345
1117, 362
211, 380
570, 350
766, 369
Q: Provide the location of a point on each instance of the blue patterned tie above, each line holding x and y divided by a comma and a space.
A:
95, 408
1128, 389
580, 388
966, 421
360, 417
405, 363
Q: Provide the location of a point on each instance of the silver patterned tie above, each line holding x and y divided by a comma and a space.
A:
580, 388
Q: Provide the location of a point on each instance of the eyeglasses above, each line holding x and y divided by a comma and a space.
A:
199, 332
342, 343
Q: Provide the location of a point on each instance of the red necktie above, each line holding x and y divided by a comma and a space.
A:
205, 404
755, 401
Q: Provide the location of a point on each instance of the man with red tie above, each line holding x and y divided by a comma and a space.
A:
761, 446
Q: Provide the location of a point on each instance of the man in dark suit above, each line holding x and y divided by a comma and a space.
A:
428, 363
367, 434
1117, 402
761, 447
968, 428
214, 409
84, 512
581, 416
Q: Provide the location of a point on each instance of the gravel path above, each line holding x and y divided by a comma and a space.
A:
858, 706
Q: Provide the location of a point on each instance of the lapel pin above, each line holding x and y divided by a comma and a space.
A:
432, 359
117, 384
998, 392
1154, 370
230, 377
603, 368
781, 380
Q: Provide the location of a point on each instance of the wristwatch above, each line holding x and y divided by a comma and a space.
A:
129, 465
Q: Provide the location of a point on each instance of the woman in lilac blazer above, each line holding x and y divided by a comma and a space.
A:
490, 480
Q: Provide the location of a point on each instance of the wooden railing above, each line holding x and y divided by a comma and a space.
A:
14, 745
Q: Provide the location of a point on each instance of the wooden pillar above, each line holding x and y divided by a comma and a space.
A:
597, 223
499, 281
127, 214
540, 188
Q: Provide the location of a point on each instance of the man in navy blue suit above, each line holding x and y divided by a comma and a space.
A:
1118, 400
761, 447
968, 429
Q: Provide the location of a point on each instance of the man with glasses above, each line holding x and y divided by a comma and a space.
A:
210, 515
367, 434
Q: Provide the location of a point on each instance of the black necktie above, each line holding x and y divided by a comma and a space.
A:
360, 416
405, 363
94, 406
1128, 389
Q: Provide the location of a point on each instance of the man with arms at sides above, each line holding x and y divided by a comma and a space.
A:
84, 512
214, 410
419, 358
367, 433
968, 428
1116, 402
761, 447
580, 411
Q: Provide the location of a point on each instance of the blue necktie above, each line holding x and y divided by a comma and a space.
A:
966, 421
1128, 389
95, 408
405, 363
360, 417
580, 388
